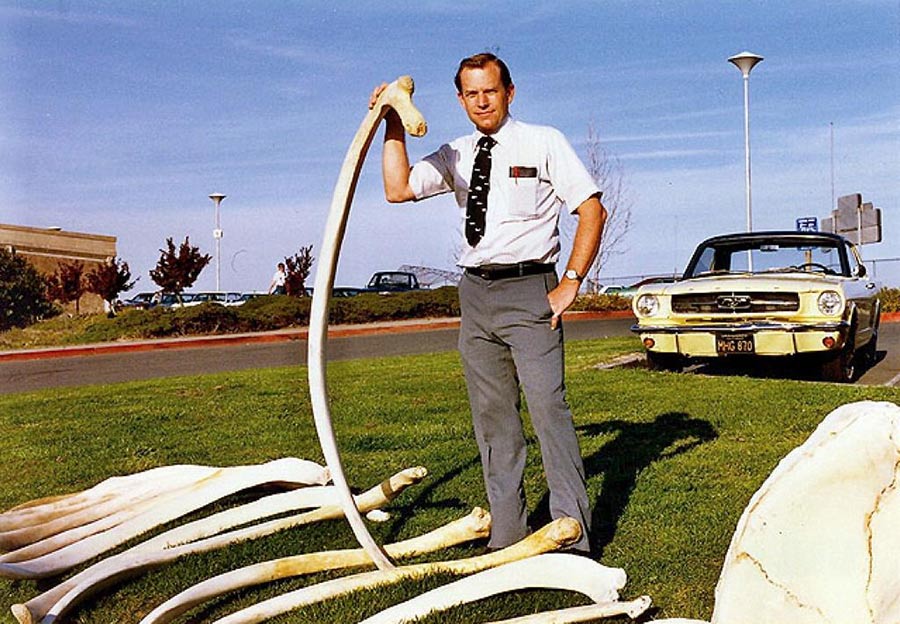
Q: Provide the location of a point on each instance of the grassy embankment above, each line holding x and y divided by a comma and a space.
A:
671, 460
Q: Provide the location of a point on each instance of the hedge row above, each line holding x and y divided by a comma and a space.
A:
269, 313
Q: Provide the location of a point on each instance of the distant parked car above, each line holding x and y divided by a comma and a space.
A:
611, 289
244, 298
221, 298
763, 294
170, 300
141, 301
346, 291
393, 281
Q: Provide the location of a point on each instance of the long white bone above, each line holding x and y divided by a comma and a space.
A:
48, 516
548, 571
52, 604
558, 534
397, 96
475, 525
61, 552
587, 613
150, 511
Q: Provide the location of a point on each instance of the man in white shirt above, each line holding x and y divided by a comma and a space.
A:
276, 286
510, 296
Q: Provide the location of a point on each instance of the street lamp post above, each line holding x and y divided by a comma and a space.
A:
745, 61
217, 234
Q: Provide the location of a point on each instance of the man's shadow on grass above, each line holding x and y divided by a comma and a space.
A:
635, 446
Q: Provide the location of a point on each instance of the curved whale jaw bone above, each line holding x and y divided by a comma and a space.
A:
558, 534
476, 525
396, 96
171, 545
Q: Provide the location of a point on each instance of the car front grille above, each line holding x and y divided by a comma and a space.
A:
735, 303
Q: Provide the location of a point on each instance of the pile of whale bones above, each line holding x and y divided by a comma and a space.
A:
817, 542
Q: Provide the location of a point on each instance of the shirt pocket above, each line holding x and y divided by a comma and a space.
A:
524, 195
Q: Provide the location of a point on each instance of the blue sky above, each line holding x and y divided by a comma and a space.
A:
121, 118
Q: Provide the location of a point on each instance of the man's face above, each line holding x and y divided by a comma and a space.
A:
484, 97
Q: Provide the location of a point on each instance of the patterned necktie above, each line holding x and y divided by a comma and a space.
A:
480, 184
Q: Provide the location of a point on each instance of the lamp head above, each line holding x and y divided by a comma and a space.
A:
745, 61
217, 197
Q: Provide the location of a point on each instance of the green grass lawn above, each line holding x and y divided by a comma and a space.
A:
671, 460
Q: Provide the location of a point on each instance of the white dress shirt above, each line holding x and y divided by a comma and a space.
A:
534, 171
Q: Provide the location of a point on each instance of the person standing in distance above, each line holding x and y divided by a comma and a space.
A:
510, 180
277, 285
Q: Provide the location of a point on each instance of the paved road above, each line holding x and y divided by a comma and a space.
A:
130, 365
146, 363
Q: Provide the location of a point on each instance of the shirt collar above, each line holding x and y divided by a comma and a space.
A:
506, 128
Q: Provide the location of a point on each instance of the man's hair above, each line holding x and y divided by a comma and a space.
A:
479, 61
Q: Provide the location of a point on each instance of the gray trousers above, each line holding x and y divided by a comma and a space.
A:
505, 341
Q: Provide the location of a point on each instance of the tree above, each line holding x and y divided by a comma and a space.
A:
109, 280
298, 268
67, 283
23, 292
177, 271
609, 174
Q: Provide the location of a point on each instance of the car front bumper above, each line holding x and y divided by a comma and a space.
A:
769, 339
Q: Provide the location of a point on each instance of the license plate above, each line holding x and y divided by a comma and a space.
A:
734, 344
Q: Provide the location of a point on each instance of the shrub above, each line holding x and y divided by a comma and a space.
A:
372, 307
23, 295
890, 300
601, 303
273, 312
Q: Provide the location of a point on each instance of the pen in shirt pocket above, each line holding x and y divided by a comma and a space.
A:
518, 171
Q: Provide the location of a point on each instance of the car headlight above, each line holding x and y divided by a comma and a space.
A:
646, 305
830, 303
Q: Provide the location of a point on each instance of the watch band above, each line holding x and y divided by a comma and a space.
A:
572, 274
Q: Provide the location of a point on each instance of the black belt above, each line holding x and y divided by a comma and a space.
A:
504, 271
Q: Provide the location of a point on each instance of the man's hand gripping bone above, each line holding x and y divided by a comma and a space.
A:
398, 96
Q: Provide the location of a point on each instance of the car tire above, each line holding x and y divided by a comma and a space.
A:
841, 367
671, 362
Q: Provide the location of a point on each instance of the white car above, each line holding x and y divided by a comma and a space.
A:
221, 298
763, 294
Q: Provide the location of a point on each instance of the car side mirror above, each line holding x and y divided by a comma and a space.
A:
861, 271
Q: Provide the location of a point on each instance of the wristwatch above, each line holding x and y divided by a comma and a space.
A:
572, 274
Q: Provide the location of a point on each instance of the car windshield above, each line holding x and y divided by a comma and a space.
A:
390, 279
789, 255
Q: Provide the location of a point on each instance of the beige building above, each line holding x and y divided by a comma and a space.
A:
45, 248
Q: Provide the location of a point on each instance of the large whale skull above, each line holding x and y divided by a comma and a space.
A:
397, 96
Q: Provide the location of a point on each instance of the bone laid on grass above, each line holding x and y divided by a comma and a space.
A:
59, 553
547, 571
474, 526
558, 534
50, 516
52, 604
587, 613
397, 96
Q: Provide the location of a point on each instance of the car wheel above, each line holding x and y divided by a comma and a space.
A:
841, 367
665, 361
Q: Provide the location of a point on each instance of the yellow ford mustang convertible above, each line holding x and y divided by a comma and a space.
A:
764, 294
